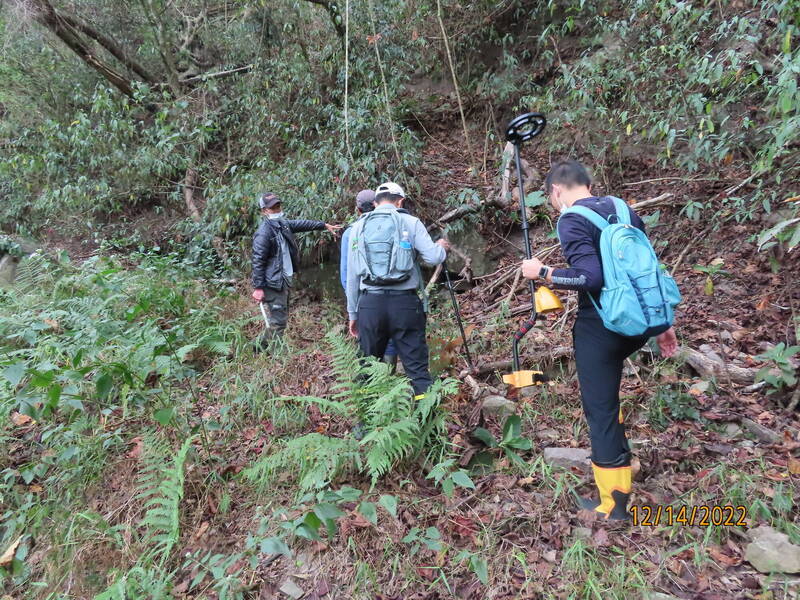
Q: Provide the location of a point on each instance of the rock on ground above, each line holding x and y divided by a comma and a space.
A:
567, 458
761, 432
771, 552
498, 405
291, 590
8, 269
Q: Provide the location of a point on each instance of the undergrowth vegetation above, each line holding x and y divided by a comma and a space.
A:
147, 450
312, 100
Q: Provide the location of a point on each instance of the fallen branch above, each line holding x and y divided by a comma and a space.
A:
218, 74
652, 201
514, 285
688, 246
504, 198
795, 400
434, 278
710, 366
504, 365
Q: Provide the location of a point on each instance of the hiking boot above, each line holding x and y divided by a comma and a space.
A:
614, 487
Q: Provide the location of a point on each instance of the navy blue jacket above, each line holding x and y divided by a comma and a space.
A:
580, 243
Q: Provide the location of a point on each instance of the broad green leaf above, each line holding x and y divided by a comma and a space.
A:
519, 443
183, 351
369, 511
389, 503
515, 458
327, 511
15, 373
534, 199
461, 479
448, 487
103, 386
53, 395
164, 416
480, 568
348, 494
484, 436
512, 427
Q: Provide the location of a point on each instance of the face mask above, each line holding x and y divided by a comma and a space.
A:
276, 215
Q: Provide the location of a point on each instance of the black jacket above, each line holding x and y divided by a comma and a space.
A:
267, 257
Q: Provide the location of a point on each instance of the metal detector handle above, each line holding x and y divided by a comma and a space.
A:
525, 127
525, 328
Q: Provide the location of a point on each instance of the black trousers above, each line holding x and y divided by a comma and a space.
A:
600, 354
399, 317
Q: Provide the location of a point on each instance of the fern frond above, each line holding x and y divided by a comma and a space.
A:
330, 406
346, 366
389, 445
161, 483
32, 272
313, 460
389, 404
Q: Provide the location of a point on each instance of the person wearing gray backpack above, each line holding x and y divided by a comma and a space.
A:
624, 297
383, 279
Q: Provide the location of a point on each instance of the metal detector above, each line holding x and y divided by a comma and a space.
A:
522, 129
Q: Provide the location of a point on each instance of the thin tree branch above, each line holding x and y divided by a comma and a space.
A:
112, 47
218, 74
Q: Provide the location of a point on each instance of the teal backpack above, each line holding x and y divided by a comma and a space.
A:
385, 255
639, 295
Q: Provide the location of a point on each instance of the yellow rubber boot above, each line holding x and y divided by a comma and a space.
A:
614, 485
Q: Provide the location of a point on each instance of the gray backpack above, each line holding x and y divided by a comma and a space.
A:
385, 254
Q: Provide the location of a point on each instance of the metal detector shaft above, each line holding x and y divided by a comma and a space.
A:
264, 314
458, 316
522, 129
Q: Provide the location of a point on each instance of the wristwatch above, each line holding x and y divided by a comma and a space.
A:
543, 272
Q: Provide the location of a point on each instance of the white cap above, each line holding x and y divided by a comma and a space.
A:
390, 187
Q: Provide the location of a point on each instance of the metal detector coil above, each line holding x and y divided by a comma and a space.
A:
525, 127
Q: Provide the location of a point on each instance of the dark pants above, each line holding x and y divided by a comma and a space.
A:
401, 318
600, 354
277, 305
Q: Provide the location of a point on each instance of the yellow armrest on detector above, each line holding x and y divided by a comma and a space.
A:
521, 379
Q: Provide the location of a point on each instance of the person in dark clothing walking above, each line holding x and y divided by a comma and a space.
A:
388, 307
276, 258
599, 352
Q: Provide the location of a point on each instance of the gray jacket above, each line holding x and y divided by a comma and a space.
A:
430, 253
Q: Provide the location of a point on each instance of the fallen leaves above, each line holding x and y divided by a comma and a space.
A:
136, 450
8, 555
21, 420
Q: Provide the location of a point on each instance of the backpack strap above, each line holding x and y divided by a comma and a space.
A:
623, 212
589, 214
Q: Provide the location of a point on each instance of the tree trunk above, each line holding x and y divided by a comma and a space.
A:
113, 48
48, 17
188, 194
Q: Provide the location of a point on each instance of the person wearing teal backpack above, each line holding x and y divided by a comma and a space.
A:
624, 297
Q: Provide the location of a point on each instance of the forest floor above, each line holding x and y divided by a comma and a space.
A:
694, 440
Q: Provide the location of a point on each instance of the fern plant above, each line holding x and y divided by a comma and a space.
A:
398, 427
161, 485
